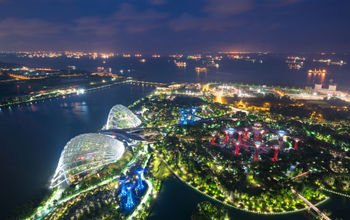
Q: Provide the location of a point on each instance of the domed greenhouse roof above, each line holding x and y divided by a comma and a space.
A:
120, 117
86, 153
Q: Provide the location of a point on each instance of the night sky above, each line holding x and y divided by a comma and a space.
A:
177, 26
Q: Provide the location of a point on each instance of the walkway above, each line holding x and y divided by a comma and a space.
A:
324, 216
301, 175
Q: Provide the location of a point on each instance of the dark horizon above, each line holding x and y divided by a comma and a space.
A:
166, 54
164, 26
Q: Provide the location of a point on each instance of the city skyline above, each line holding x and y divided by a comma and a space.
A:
163, 26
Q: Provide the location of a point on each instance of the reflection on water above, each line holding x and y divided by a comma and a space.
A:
75, 109
34, 108
80, 109
316, 78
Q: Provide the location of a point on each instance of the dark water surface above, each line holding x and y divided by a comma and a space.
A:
273, 69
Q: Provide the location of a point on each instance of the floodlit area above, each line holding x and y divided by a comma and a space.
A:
120, 117
248, 153
85, 154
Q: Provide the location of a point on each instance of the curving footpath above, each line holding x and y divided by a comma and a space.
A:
231, 206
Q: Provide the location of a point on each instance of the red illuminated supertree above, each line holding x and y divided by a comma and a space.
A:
276, 147
296, 143
212, 138
240, 135
230, 132
237, 143
226, 136
246, 133
281, 135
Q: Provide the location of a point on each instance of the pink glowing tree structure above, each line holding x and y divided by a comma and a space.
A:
230, 132
226, 136
256, 139
237, 143
276, 147
212, 138
296, 143
240, 135
281, 135
246, 133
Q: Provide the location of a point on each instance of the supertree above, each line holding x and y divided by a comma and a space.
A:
237, 143
262, 132
122, 181
193, 115
226, 136
129, 201
276, 148
240, 135
296, 143
139, 172
281, 135
256, 153
230, 131
257, 129
213, 138
183, 117
246, 129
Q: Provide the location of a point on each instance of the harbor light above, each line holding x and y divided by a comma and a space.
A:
80, 91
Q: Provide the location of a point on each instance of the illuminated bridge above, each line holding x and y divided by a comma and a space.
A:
145, 83
312, 206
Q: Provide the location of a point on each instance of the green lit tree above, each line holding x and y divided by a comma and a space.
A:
206, 210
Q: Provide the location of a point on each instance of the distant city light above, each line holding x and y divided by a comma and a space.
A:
80, 91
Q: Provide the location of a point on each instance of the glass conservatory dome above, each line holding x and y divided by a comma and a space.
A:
120, 117
84, 154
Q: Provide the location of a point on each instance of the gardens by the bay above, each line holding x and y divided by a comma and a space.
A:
257, 162
252, 162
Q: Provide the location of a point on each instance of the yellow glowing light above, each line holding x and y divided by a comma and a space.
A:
200, 69
205, 88
218, 97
